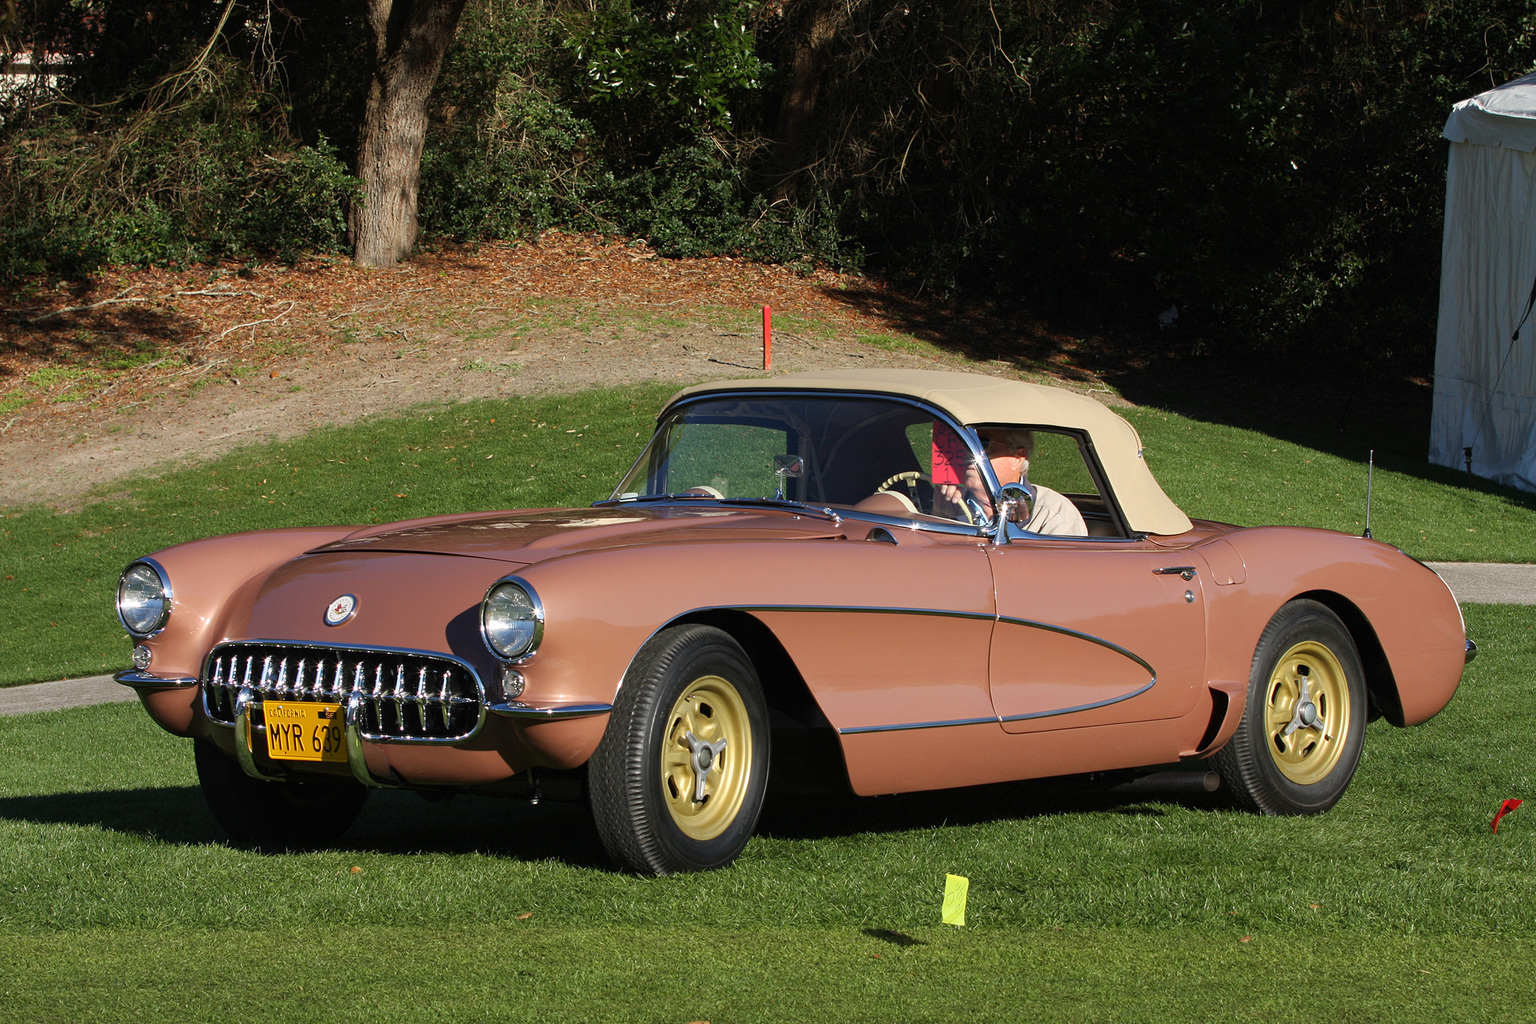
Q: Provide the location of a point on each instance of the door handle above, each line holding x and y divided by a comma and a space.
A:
1185, 571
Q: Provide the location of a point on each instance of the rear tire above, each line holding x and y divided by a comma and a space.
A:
1303, 728
678, 780
275, 815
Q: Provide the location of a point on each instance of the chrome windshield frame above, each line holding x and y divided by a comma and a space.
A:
966, 434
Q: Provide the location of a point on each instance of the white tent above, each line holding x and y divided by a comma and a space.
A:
1485, 383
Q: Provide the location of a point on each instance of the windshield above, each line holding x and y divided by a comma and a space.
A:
870, 453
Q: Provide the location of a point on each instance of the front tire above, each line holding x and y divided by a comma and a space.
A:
678, 780
1303, 729
275, 815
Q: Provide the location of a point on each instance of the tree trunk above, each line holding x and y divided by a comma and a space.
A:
797, 110
409, 39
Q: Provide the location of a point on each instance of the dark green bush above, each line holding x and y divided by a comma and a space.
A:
164, 189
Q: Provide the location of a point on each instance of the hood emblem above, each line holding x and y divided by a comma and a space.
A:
340, 610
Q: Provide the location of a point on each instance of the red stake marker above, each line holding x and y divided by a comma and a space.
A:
767, 337
1504, 809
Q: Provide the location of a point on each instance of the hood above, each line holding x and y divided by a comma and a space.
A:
533, 536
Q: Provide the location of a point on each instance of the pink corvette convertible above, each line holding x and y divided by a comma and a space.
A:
924, 579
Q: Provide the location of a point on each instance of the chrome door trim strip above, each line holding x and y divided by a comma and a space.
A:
1080, 707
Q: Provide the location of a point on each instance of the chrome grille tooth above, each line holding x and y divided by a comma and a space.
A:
373, 704
421, 699
359, 677
213, 693
298, 678
279, 687
445, 705
263, 690
400, 697
338, 681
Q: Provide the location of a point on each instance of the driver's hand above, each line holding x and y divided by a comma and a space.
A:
957, 496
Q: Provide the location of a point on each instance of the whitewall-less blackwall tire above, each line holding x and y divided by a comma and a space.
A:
1302, 731
678, 780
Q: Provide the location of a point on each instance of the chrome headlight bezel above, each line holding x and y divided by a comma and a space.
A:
512, 620
148, 613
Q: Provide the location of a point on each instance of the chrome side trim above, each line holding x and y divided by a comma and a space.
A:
1064, 631
885, 610
548, 712
1001, 619
856, 609
871, 609
994, 720
144, 681
908, 726
1080, 707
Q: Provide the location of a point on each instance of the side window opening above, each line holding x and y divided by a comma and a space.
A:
1059, 461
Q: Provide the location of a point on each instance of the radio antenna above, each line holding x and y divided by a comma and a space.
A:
1370, 478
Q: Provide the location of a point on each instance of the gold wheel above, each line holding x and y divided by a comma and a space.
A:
706, 757
678, 780
1307, 712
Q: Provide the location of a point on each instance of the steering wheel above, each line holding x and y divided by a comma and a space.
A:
912, 478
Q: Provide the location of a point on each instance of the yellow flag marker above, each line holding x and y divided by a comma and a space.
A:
956, 889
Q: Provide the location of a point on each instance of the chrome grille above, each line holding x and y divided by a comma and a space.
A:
390, 694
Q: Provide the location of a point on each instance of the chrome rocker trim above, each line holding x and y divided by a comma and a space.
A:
144, 681
516, 709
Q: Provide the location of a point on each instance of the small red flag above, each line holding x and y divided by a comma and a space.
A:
1504, 809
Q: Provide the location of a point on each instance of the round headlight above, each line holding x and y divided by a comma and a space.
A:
511, 619
143, 599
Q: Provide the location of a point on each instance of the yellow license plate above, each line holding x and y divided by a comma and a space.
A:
305, 732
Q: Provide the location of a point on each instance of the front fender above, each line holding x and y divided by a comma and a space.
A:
213, 580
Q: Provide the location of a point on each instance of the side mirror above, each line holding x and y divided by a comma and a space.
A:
1014, 506
786, 468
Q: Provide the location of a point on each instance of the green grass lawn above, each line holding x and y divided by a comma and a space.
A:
119, 900
58, 571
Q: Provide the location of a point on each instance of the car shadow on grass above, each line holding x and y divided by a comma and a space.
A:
800, 815
392, 822
397, 822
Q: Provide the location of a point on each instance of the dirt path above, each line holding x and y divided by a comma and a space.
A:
142, 368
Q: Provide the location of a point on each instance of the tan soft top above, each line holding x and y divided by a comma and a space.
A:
973, 399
